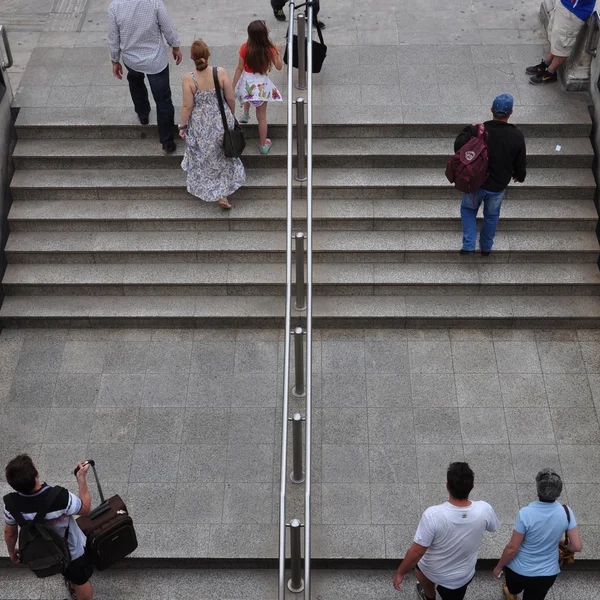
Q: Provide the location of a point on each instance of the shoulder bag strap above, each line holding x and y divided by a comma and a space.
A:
568, 523
220, 97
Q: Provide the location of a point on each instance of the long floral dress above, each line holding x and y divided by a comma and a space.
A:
210, 174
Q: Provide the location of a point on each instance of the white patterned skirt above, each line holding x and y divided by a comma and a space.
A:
256, 89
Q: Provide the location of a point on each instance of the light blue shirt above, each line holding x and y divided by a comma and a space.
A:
543, 524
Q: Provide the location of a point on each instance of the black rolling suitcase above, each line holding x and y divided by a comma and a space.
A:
108, 528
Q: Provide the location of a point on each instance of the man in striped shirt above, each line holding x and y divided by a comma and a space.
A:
30, 497
135, 35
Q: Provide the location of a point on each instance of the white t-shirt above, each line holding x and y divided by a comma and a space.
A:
453, 536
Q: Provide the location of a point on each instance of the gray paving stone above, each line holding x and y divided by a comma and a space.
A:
491, 463
126, 357
154, 463
432, 494
433, 390
6, 385
430, 357
242, 539
343, 541
160, 425
113, 461
575, 425
594, 381
10, 350
247, 503
40, 356
210, 389
114, 425
389, 390
76, 390
150, 502
23, 424
199, 503
568, 390
57, 461
580, 463
206, 426
250, 464
202, 463
70, 425
517, 357
345, 389
255, 389
395, 504
437, 426
165, 390
478, 390
393, 464
502, 496
345, 463
165, 541
252, 426
583, 499
529, 426
117, 390
387, 427
30, 389
83, 357
474, 357
342, 357
169, 357
212, 357
346, 504
433, 461
591, 356
483, 426
345, 427
528, 460
256, 356
523, 390
386, 356
561, 357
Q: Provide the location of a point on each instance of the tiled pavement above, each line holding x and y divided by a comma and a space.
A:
174, 584
185, 425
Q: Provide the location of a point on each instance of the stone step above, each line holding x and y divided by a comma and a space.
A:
257, 279
328, 153
136, 184
330, 246
333, 311
564, 121
190, 214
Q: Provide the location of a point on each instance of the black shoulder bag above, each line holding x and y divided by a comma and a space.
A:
233, 139
319, 52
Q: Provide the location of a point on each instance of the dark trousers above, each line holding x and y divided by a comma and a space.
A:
279, 4
161, 92
534, 588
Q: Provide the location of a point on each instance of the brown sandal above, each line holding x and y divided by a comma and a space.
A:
224, 204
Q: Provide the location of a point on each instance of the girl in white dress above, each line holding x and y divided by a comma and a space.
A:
251, 81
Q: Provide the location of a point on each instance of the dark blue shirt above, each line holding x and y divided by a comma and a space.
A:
580, 8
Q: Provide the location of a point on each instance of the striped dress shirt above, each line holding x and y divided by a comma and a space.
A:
135, 34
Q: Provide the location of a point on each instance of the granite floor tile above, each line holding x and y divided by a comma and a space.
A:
483, 426
206, 426
502, 496
40, 356
113, 461
169, 357
247, 503
343, 389
212, 357
521, 390
342, 356
126, 357
154, 463
250, 463
210, 390
160, 425
83, 357
583, 500
591, 356
433, 390
474, 357
340, 541
437, 426
231, 541
561, 357
31, 389
433, 461
114, 425
395, 504
568, 390
252, 426
76, 390
580, 463
345, 427
202, 463
432, 494
576, 425
256, 357
386, 356
478, 390
346, 504
165, 390
393, 391
393, 463
254, 390
529, 459
23, 424
345, 463
430, 357
151, 502
69, 425
594, 382
529, 426
517, 357
491, 463
57, 461
199, 503
389, 427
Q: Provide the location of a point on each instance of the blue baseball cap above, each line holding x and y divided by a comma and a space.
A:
502, 106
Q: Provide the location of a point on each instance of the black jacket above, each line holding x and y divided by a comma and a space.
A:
506, 152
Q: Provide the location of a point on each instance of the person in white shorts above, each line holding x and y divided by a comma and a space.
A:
445, 548
566, 21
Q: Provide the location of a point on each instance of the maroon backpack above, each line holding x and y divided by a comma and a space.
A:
468, 168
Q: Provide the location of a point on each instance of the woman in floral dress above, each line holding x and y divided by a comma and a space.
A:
211, 176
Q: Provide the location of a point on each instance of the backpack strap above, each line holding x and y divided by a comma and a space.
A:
49, 500
481, 132
10, 501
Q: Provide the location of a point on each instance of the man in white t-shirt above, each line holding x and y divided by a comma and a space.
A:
444, 552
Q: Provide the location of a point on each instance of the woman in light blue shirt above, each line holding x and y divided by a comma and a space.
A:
530, 559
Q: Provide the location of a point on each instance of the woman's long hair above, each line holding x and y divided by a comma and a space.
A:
259, 47
200, 54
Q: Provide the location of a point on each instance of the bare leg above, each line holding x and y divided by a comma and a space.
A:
83, 592
428, 586
549, 57
246, 108
557, 61
261, 115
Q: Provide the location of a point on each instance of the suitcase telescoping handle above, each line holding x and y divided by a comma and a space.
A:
93, 465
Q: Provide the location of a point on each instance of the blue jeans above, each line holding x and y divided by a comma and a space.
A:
161, 91
492, 202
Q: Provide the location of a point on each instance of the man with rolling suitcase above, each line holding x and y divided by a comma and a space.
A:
41, 519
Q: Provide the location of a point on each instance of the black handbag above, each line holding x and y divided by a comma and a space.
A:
319, 52
234, 141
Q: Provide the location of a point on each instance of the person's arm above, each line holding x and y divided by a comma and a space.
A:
520, 164
187, 104
238, 72
227, 89
574, 544
168, 30
413, 556
276, 58
84, 492
114, 45
11, 535
510, 551
463, 137
493, 523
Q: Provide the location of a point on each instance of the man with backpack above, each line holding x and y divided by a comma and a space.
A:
40, 518
504, 145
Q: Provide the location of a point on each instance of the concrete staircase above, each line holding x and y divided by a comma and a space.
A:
103, 232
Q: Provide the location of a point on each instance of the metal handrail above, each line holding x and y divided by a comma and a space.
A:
591, 42
8, 63
288, 309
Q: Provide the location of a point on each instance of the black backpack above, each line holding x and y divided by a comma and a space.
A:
41, 547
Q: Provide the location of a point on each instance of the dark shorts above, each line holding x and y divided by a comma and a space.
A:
535, 588
448, 594
79, 570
